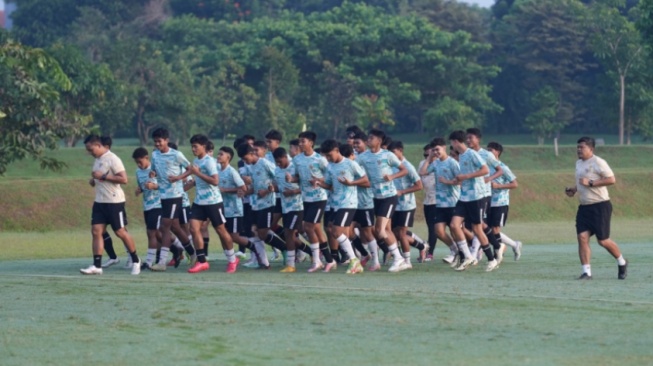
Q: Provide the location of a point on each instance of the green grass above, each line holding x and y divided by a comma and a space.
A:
531, 312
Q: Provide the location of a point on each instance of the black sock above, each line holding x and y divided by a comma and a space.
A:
358, 244
492, 239
108, 246
488, 252
275, 242
173, 249
335, 254
242, 248
324, 248
305, 248
382, 245
188, 247
206, 247
201, 257
158, 254
251, 247
343, 255
97, 261
134, 257
433, 238
417, 245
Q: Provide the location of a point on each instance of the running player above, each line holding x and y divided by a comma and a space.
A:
151, 203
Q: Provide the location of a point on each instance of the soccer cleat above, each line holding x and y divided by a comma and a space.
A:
159, 267
355, 266
276, 255
300, 256
517, 250
233, 266
136, 268
263, 267
192, 259
91, 270
288, 269
456, 261
492, 265
329, 266
585, 276
429, 258
199, 267
449, 259
471, 261
499, 254
623, 271
251, 264
240, 254
145, 265
110, 262
374, 267
176, 261
408, 264
423, 253
365, 259
315, 267
398, 266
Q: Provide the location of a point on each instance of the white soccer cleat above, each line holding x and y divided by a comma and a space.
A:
471, 261
499, 253
110, 262
398, 266
492, 265
517, 250
240, 255
136, 268
91, 270
449, 259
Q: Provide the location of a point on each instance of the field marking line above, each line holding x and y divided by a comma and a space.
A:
316, 287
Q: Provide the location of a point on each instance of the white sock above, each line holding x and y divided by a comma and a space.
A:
151, 256
462, 246
373, 248
230, 254
406, 256
315, 249
587, 269
475, 245
178, 244
345, 244
163, 256
290, 258
396, 254
263, 255
505, 239
621, 261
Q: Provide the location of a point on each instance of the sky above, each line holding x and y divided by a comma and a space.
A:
483, 3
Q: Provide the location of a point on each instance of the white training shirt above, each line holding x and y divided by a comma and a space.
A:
108, 192
593, 168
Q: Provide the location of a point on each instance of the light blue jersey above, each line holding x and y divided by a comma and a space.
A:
377, 165
172, 163
151, 198
446, 195
501, 197
309, 167
343, 197
492, 163
244, 172
185, 201
471, 189
262, 174
406, 202
205, 193
229, 178
288, 203
269, 157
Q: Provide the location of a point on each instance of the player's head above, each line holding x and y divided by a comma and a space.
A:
473, 137
273, 138
281, 157
248, 153
249, 139
161, 138
375, 138
585, 147
495, 148
294, 149
107, 141
307, 140
386, 142
397, 148
351, 132
199, 144
453, 153
93, 144
172, 145
238, 141
225, 154
141, 157
457, 140
347, 151
360, 139
439, 147
427, 149
331, 150
261, 148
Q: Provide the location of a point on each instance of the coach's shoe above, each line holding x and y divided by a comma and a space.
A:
471, 261
374, 267
355, 266
498, 253
449, 259
492, 265
199, 267
158, 267
233, 266
329, 266
623, 271
110, 262
585, 276
398, 266
517, 250
136, 268
315, 267
91, 270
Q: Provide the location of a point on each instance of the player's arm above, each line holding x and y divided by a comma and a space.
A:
189, 184
512, 185
212, 179
400, 173
417, 185
483, 170
363, 181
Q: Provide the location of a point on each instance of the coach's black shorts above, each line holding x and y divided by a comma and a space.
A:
293, 220
429, 214
234, 225
313, 211
364, 217
152, 219
444, 214
472, 212
264, 218
595, 218
343, 217
171, 208
113, 214
215, 213
497, 216
403, 218
385, 207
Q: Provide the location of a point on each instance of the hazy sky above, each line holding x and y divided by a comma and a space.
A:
483, 3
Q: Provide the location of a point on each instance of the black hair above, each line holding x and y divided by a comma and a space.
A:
210, 146
294, 142
495, 146
274, 135
360, 136
238, 141
589, 141
106, 141
229, 151
438, 141
378, 133
279, 152
309, 135
457, 136
387, 140
474, 131
244, 149
140, 153
346, 150
160, 133
352, 131
248, 137
260, 143
93, 139
200, 140
396, 145
172, 145
328, 146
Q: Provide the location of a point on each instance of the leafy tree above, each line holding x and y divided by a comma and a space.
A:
372, 112
544, 120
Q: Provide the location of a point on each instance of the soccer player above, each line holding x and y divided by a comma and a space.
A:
311, 165
428, 184
294, 149
593, 176
364, 217
378, 164
148, 187
498, 212
404, 214
109, 205
342, 178
168, 166
470, 207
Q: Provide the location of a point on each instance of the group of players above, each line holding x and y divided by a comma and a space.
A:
351, 203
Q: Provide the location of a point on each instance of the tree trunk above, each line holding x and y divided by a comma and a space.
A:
141, 129
629, 129
622, 106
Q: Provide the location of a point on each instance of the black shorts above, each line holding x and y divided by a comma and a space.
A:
277, 206
113, 214
185, 216
152, 219
403, 218
234, 225
171, 208
444, 214
215, 213
343, 217
429, 214
594, 218
249, 219
293, 220
313, 211
263, 218
497, 216
365, 217
328, 216
385, 207
472, 212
